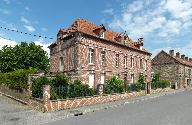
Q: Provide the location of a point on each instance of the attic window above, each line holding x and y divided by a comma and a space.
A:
101, 35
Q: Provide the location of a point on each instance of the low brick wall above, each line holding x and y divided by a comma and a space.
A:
52, 105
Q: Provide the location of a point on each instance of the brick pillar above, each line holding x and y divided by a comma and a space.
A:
46, 94
29, 90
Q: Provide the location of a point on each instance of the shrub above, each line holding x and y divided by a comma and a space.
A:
113, 85
17, 79
37, 84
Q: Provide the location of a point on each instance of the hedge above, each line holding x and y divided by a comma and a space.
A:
61, 87
17, 79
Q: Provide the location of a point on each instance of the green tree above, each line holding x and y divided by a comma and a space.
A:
23, 56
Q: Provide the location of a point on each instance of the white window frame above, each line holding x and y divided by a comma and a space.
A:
132, 62
125, 61
91, 56
145, 64
117, 59
102, 57
102, 79
91, 80
102, 35
61, 64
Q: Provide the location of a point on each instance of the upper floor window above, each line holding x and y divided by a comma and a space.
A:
61, 64
141, 64
101, 35
117, 59
125, 61
90, 55
132, 62
102, 57
145, 64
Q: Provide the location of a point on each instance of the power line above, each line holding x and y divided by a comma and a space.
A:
25, 33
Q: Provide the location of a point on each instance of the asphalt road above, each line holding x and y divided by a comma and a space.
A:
174, 109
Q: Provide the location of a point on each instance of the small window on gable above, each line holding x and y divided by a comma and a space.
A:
101, 35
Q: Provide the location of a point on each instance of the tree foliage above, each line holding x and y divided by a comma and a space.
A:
23, 56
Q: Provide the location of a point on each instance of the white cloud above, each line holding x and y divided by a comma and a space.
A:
135, 6
7, 1
186, 50
27, 8
4, 42
40, 42
108, 11
25, 20
29, 28
4, 11
165, 18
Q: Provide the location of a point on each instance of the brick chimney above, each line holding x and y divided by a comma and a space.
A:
186, 58
171, 52
190, 59
182, 56
178, 55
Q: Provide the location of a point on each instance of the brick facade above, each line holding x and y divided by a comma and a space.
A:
174, 68
73, 46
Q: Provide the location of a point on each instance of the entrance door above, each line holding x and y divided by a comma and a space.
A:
102, 78
91, 80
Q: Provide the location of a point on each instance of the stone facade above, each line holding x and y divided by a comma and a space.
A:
84, 55
174, 68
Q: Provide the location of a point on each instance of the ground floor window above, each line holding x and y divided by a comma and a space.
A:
102, 78
91, 80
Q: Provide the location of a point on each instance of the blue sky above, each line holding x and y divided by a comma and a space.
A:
165, 24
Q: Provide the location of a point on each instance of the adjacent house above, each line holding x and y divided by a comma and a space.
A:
173, 67
92, 53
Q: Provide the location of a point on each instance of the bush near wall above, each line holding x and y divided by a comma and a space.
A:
37, 85
114, 85
17, 79
158, 83
61, 88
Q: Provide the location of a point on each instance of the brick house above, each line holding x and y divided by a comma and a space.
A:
92, 54
173, 67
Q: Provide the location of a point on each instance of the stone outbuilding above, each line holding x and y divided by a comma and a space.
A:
173, 67
92, 53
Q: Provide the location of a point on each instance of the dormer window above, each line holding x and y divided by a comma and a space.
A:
101, 35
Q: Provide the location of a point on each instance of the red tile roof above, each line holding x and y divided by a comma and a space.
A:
183, 61
89, 28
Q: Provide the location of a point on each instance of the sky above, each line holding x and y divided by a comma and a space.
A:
164, 24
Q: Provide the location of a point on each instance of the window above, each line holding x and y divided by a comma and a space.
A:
125, 61
132, 62
102, 57
101, 35
61, 64
102, 78
117, 59
141, 64
145, 64
91, 52
91, 80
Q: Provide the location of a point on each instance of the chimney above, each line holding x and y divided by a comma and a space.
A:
178, 55
182, 56
186, 58
171, 52
190, 59
140, 39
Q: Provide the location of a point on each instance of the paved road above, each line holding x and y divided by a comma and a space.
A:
174, 109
